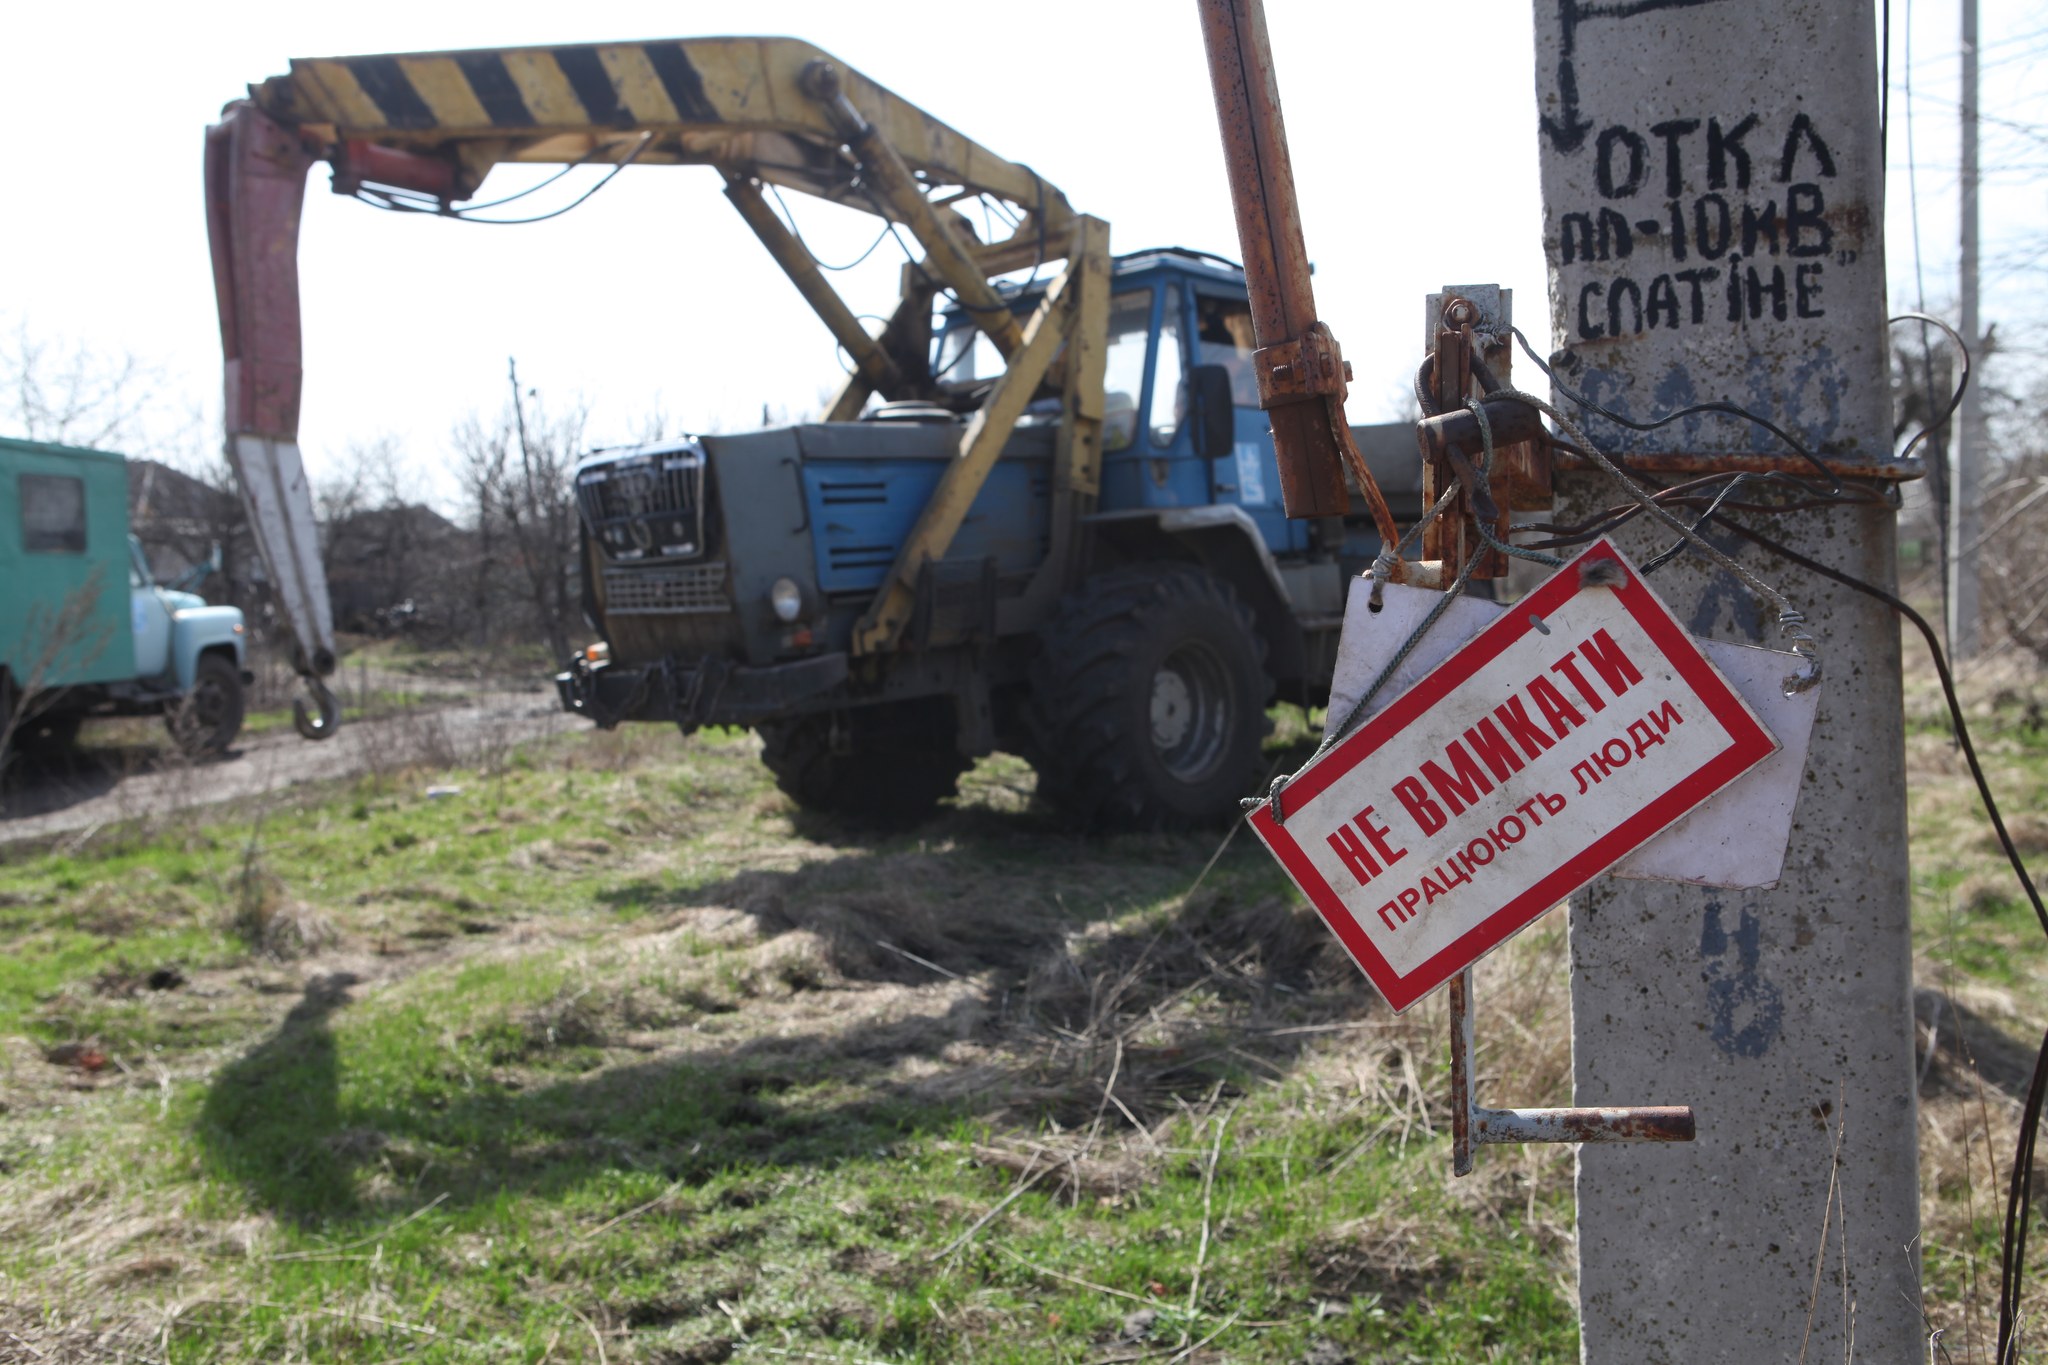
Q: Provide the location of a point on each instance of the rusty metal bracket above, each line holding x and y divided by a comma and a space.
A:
1468, 360
1472, 1125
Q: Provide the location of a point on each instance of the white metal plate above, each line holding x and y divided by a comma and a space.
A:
1736, 838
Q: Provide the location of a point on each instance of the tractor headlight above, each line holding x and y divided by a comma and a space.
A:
787, 599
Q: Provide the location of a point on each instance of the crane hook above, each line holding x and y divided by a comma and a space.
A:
328, 720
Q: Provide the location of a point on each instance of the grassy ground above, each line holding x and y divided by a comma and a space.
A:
612, 1055
1981, 975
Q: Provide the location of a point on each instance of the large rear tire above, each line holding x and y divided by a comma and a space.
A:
886, 766
207, 719
1148, 701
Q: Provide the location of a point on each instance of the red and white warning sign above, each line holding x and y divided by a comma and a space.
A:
1565, 734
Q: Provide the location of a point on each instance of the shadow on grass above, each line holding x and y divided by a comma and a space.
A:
1032, 1009
1968, 1048
272, 1117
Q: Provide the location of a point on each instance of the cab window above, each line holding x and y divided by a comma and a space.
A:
1169, 391
966, 354
1123, 372
52, 514
1223, 336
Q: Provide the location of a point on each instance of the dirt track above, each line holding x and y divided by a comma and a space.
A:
102, 784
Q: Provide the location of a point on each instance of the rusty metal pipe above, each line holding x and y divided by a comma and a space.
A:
1472, 1125
1276, 266
1637, 1123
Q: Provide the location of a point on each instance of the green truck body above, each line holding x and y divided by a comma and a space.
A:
83, 628
64, 554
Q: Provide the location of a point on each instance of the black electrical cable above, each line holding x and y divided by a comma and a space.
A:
952, 296
1884, 95
1690, 494
395, 202
2020, 1192
790, 217
1037, 264
628, 159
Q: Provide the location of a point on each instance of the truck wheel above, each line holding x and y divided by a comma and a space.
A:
207, 719
1148, 701
890, 766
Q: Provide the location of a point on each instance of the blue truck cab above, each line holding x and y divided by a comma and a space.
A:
1126, 643
84, 628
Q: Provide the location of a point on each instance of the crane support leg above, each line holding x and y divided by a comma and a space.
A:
907, 340
987, 432
871, 362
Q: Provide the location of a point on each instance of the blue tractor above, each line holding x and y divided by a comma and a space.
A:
1128, 649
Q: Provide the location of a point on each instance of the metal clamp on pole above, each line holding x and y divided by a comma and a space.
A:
1308, 366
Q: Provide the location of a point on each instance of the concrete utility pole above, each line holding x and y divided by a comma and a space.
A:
1966, 513
1713, 213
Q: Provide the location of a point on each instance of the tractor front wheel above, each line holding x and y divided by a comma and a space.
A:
887, 766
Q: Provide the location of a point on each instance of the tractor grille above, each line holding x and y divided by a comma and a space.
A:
645, 507
665, 592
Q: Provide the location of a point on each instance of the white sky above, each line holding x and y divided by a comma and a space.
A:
653, 296
2012, 155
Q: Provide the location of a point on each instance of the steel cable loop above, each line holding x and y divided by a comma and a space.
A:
1390, 555
1478, 411
1791, 621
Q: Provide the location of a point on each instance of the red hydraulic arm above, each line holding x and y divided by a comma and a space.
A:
255, 184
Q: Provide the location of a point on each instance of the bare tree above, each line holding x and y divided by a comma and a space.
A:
481, 454
67, 393
515, 473
539, 512
2015, 545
